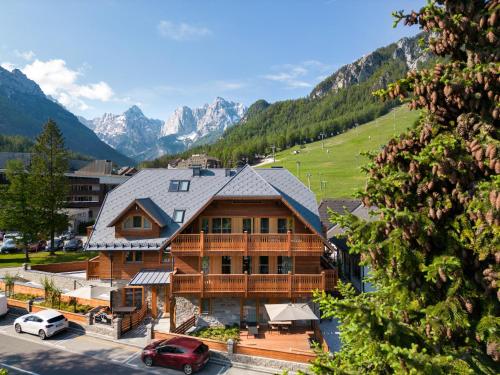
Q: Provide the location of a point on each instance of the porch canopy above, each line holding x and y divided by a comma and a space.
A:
151, 277
290, 312
91, 292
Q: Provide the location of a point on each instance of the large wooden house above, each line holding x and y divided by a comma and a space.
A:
213, 243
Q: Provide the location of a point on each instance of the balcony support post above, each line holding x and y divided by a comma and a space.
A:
290, 284
323, 281
289, 242
202, 244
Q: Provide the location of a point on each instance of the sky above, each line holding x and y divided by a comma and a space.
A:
107, 55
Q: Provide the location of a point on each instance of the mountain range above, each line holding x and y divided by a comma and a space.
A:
24, 109
341, 101
142, 138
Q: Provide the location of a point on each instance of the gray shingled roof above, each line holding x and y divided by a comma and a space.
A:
295, 193
152, 209
361, 212
213, 183
151, 277
337, 205
248, 183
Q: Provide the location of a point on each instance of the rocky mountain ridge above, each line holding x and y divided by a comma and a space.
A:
406, 50
141, 138
24, 109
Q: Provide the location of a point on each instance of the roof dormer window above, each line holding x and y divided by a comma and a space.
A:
178, 185
179, 216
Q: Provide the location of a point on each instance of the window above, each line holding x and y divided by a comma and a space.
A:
247, 265
178, 185
137, 222
264, 264
205, 306
179, 216
221, 225
204, 225
133, 256
166, 257
133, 297
226, 265
282, 225
205, 265
264, 225
247, 225
284, 264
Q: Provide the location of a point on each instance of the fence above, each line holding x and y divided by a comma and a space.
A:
183, 327
61, 267
39, 292
221, 346
73, 317
130, 321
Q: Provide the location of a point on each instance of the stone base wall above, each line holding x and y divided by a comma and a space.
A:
185, 308
224, 312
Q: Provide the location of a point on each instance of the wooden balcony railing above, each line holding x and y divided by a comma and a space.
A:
247, 244
252, 285
93, 268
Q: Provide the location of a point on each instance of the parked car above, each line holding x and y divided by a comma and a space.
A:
3, 305
184, 353
12, 236
1, 235
58, 244
68, 235
44, 323
37, 246
73, 245
8, 246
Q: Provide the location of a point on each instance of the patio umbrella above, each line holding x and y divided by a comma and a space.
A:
290, 311
91, 292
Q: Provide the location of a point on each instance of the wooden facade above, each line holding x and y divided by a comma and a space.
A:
248, 248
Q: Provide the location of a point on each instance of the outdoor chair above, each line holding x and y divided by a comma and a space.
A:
253, 330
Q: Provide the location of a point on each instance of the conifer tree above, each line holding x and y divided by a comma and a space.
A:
48, 165
16, 211
434, 247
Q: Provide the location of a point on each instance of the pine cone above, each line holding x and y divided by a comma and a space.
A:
442, 274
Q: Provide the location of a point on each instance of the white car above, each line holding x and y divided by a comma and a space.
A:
44, 323
8, 246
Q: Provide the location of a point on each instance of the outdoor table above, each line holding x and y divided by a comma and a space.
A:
281, 324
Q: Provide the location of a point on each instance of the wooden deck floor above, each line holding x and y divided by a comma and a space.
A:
295, 341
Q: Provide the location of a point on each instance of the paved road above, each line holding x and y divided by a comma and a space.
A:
75, 354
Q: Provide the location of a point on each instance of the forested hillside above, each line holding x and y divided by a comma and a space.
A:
342, 101
15, 143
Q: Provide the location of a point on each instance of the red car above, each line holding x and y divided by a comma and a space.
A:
183, 353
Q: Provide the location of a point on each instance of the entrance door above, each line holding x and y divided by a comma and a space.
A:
154, 297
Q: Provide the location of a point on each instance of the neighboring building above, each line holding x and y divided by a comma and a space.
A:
349, 266
127, 171
25, 157
88, 188
200, 160
214, 243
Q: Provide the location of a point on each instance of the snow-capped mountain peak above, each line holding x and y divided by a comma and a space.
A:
142, 138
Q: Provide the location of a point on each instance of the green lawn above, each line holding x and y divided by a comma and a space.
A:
43, 257
339, 162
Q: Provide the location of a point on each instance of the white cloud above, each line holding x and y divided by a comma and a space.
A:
25, 55
61, 82
296, 76
7, 65
182, 31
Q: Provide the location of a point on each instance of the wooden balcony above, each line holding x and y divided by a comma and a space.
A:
206, 244
244, 285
